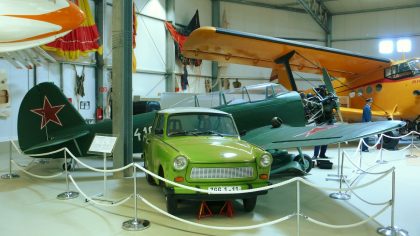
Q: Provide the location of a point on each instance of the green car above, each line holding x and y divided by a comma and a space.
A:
201, 147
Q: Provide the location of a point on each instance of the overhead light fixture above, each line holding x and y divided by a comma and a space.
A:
404, 45
386, 46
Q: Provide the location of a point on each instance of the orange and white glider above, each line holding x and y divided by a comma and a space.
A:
30, 23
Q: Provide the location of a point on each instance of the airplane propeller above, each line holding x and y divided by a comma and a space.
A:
327, 81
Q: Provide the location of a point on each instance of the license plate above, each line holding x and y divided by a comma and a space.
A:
225, 188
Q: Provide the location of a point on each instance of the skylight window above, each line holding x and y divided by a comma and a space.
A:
404, 45
386, 46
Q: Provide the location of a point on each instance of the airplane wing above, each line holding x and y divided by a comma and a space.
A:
288, 137
231, 46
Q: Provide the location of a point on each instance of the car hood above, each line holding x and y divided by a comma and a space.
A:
205, 149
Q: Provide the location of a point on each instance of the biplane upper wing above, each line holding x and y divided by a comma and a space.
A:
231, 46
288, 137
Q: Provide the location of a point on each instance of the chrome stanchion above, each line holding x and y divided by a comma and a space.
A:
298, 206
392, 230
381, 160
68, 194
336, 177
10, 175
341, 195
411, 154
135, 224
359, 171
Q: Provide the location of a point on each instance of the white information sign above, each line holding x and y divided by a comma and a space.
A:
103, 144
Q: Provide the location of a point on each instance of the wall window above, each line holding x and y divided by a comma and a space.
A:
386, 46
404, 45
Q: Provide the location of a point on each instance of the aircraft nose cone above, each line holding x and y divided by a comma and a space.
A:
71, 18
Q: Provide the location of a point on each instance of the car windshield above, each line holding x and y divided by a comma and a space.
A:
201, 124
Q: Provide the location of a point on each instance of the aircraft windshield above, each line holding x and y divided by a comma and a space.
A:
246, 94
187, 124
403, 70
415, 66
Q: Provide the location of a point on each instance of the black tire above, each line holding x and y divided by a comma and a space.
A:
249, 203
305, 162
149, 178
171, 204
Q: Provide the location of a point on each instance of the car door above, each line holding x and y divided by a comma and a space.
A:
152, 142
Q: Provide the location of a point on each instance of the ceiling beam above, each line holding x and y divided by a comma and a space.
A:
318, 11
376, 9
266, 5
296, 3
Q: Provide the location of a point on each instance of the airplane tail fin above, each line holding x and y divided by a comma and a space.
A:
46, 118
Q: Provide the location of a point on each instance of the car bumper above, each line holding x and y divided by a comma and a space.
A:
179, 193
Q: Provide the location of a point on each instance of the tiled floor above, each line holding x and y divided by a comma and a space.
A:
29, 205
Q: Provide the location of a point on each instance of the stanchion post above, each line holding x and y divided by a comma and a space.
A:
381, 160
411, 154
68, 194
104, 174
340, 195
10, 175
392, 230
135, 224
337, 177
298, 206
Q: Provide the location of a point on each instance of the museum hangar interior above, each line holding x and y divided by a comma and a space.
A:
131, 117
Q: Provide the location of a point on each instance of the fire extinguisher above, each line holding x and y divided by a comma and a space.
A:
99, 113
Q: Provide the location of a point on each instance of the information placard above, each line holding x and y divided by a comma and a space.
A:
102, 144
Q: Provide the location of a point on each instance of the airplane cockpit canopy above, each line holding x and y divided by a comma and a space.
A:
403, 70
246, 94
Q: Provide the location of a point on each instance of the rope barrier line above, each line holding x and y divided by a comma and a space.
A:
33, 175
122, 201
47, 153
366, 172
95, 169
216, 227
16, 148
346, 226
361, 199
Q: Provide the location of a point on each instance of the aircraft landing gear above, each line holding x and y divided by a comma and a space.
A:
390, 143
305, 162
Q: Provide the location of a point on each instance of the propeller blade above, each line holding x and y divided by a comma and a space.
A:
327, 81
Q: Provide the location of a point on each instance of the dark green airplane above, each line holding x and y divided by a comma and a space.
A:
266, 115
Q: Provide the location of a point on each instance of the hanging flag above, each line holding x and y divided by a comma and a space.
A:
184, 79
180, 36
134, 60
80, 41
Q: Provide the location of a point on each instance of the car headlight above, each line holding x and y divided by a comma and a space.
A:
180, 162
265, 160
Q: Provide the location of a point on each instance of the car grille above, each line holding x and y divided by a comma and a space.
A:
222, 173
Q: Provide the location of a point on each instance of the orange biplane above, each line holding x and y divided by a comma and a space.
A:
394, 87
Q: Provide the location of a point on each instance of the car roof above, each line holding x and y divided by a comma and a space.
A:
177, 110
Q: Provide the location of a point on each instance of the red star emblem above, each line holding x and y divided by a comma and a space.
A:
48, 113
316, 130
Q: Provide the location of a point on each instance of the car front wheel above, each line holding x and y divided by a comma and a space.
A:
249, 203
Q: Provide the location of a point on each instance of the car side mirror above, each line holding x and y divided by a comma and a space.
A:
158, 131
242, 132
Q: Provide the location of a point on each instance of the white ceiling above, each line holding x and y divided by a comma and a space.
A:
341, 6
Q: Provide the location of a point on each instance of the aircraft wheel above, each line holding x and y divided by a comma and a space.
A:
171, 204
390, 143
69, 165
305, 162
249, 203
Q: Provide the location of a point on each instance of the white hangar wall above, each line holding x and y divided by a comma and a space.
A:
362, 32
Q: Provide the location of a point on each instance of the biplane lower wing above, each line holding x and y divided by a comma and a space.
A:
289, 137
